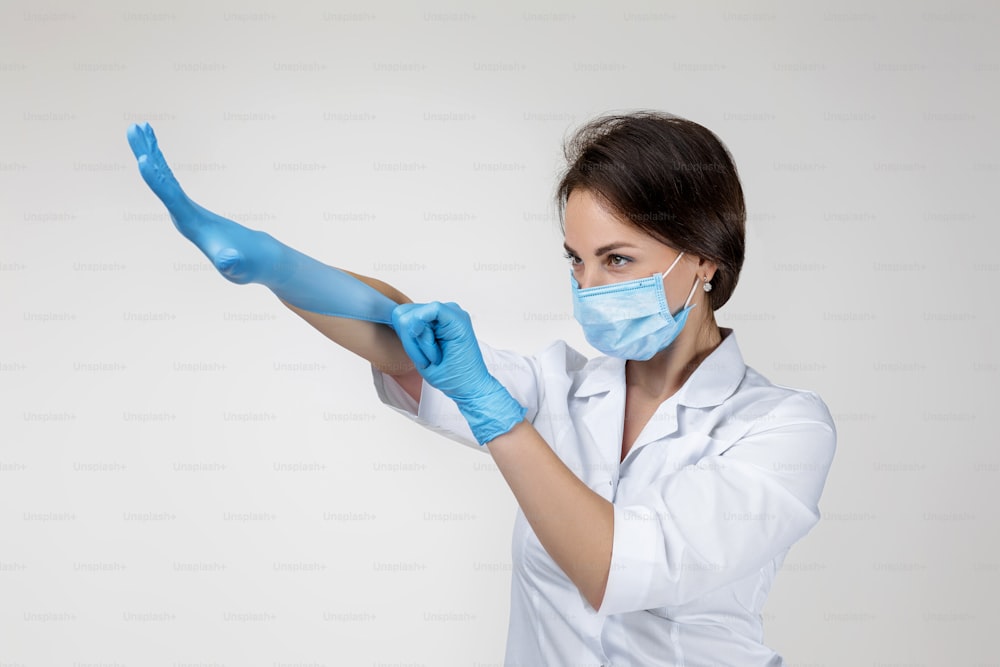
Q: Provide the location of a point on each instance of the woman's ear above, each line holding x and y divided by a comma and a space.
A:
706, 269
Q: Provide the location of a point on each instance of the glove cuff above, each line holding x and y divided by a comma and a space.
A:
492, 414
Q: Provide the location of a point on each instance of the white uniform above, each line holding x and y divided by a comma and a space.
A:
723, 479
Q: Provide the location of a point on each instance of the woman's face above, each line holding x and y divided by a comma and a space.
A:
602, 250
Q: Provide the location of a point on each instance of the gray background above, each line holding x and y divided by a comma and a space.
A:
191, 475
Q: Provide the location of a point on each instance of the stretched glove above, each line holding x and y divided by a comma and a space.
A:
245, 255
438, 338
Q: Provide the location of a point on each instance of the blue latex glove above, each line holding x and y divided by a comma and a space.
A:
435, 330
245, 255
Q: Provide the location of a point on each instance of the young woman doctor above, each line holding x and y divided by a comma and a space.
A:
659, 485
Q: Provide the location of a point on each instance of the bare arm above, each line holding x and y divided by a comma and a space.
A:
574, 524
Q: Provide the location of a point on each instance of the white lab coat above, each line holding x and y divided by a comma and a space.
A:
723, 479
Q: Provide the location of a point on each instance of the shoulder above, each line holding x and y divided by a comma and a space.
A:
740, 395
806, 401
775, 405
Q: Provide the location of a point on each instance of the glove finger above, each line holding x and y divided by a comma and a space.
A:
427, 315
412, 347
403, 323
454, 323
150, 137
137, 141
428, 343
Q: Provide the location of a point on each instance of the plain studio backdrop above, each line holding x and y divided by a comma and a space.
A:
192, 475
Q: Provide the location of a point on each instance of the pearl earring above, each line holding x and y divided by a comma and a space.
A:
708, 285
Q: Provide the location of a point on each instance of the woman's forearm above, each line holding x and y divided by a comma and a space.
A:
574, 524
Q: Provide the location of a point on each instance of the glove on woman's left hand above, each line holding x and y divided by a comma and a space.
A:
438, 338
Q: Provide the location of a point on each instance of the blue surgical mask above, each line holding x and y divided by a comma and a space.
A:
629, 320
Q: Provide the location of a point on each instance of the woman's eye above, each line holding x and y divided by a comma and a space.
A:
613, 259
572, 258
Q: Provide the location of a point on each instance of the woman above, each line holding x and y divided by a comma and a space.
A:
659, 485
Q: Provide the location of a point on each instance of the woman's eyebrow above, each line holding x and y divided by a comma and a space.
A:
604, 249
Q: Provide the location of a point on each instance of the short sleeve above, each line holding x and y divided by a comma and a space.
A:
717, 521
517, 373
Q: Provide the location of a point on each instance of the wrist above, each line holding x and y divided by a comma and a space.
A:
281, 260
492, 414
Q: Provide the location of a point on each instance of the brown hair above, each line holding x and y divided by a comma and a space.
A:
668, 176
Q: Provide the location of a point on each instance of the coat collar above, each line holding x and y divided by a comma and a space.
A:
715, 379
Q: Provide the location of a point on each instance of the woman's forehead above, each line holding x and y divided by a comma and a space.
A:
589, 226
587, 214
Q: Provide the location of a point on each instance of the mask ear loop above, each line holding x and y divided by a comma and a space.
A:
673, 265
691, 294
693, 288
